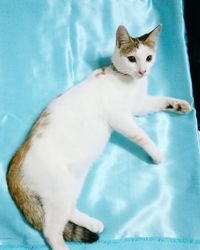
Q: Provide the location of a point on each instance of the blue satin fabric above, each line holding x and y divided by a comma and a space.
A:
49, 46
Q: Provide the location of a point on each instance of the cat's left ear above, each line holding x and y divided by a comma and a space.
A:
153, 35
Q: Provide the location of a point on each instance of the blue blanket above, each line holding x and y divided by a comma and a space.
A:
48, 46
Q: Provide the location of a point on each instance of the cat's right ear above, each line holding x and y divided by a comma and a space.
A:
122, 36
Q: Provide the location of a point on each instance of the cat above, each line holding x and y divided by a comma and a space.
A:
47, 172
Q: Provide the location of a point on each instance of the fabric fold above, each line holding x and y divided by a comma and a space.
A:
49, 46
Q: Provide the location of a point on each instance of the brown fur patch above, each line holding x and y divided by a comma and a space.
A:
134, 44
101, 72
148, 42
22, 196
42, 122
138, 139
25, 199
130, 46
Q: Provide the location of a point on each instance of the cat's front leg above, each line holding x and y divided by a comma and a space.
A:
152, 104
125, 125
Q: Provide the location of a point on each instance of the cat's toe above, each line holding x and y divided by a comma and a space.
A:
158, 158
182, 107
95, 225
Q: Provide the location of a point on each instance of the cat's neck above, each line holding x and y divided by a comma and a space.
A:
117, 71
125, 77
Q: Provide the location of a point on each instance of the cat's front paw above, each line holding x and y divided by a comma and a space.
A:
179, 106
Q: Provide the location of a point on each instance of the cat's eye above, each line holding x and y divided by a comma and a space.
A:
149, 58
131, 59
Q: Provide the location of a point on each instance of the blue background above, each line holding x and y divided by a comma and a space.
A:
47, 47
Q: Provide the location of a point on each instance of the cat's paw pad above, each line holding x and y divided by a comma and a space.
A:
94, 225
180, 106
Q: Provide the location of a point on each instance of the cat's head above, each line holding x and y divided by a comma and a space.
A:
135, 56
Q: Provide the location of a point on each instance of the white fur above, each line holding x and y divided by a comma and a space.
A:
80, 124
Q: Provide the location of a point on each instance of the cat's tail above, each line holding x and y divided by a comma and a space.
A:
74, 232
30, 204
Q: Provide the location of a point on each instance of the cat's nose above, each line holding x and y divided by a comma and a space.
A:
142, 72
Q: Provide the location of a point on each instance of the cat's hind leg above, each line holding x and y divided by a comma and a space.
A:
56, 215
86, 221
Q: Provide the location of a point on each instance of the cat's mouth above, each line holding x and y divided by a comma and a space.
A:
139, 76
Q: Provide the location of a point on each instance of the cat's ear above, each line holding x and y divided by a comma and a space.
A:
153, 35
122, 36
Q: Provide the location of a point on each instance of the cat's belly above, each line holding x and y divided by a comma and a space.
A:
76, 146
63, 162
72, 137
83, 148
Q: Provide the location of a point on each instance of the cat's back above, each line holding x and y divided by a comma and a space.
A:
73, 126
86, 99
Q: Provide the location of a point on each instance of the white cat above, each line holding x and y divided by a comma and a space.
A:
47, 173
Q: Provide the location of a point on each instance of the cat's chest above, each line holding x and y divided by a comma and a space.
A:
126, 91
135, 99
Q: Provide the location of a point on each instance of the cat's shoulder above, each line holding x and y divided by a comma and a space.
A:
102, 73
